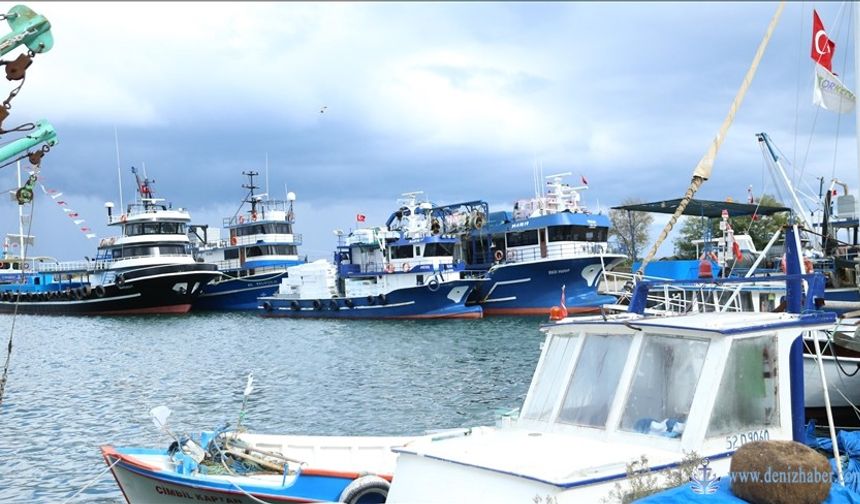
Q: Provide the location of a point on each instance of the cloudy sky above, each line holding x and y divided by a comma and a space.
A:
460, 100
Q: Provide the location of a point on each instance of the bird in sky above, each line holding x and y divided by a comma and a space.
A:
322, 110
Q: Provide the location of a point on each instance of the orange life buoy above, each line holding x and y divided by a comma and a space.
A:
233, 240
254, 216
499, 255
406, 267
122, 218
807, 265
241, 219
389, 268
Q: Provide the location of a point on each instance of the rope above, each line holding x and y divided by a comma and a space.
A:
703, 170
92, 482
247, 494
15, 311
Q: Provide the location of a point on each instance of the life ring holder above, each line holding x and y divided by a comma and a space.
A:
433, 284
499, 255
233, 240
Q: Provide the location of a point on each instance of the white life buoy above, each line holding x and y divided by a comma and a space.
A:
364, 487
406, 267
499, 255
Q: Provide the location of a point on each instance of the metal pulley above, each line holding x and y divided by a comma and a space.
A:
24, 195
15, 70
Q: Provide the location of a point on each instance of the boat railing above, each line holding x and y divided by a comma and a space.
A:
555, 251
231, 269
405, 267
704, 295
70, 266
258, 239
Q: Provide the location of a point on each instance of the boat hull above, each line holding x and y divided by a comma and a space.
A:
533, 288
141, 483
157, 290
238, 293
419, 302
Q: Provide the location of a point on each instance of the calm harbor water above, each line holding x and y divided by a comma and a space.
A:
77, 383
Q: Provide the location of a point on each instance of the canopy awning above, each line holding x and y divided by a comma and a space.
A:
704, 208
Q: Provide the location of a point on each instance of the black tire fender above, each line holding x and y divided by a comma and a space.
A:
317, 304
383, 299
371, 300
368, 489
294, 305
267, 306
333, 306
99, 290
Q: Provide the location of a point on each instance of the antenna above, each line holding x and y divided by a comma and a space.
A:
118, 173
267, 174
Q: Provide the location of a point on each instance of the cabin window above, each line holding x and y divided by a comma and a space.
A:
595, 380
145, 228
270, 228
664, 383
523, 238
262, 250
402, 252
231, 254
747, 398
438, 249
550, 378
577, 233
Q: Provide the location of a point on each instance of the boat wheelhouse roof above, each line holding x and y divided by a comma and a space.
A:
704, 208
502, 222
721, 323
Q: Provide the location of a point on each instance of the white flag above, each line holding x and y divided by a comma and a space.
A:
90, 235
830, 94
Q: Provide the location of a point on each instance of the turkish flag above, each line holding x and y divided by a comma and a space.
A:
360, 218
822, 46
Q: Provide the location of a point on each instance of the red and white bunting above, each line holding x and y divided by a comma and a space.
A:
72, 214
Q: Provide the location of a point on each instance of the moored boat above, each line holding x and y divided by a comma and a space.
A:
403, 270
147, 269
254, 257
611, 390
547, 242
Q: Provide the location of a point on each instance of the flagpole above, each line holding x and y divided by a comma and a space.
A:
856, 85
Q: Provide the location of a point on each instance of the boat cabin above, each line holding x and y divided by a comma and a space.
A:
607, 392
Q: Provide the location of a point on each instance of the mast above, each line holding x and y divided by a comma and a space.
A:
250, 186
854, 6
118, 173
20, 217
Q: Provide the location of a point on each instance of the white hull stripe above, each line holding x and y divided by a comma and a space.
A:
505, 282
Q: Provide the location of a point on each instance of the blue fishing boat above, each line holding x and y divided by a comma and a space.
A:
254, 257
546, 243
402, 270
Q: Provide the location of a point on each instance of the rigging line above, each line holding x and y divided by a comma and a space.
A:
5, 375
839, 116
797, 84
92, 481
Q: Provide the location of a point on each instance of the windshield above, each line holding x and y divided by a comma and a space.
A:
595, 380
664, 383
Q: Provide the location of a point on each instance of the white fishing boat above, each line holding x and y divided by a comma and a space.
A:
608, 391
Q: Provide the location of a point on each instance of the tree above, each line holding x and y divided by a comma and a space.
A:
760, 230
630, 228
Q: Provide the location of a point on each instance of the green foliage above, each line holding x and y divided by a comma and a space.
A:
630, 228
761, 230
641, 482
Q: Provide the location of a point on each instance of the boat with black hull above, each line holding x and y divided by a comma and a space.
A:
254, 257
147, 269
